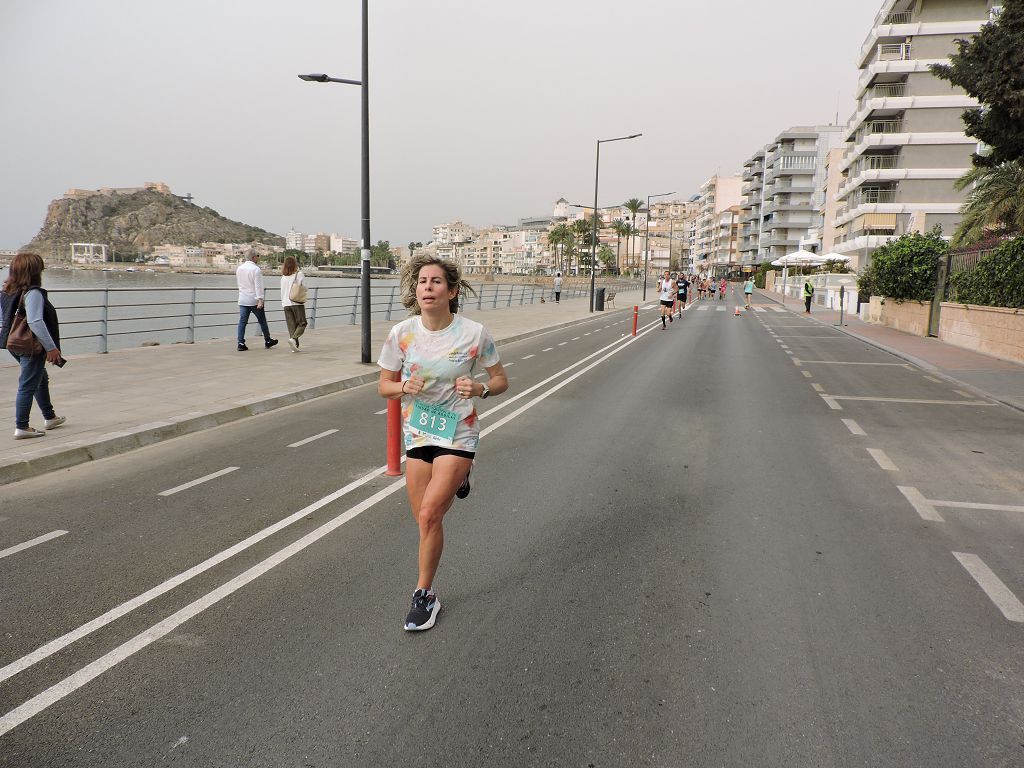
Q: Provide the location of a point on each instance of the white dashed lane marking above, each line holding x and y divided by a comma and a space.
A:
31, 543
882, 460
528, 357
194, 483
993, 586
317, 437
854, 427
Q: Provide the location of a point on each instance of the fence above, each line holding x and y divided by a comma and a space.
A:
116, 318
959, 262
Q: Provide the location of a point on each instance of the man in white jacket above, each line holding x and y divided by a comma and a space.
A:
250, 300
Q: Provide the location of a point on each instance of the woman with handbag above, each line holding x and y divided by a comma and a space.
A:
293, 300
31, 333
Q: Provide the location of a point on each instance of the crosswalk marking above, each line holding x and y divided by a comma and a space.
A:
702, 307
780, 309
719, 309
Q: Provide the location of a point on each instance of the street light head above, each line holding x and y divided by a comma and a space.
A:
314, 78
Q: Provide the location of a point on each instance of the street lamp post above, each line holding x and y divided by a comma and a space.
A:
593, 237
647, 231
364, 271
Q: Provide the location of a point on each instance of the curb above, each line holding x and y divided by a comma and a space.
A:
156, 432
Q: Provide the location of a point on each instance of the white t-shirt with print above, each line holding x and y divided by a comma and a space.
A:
667, 291
439, 357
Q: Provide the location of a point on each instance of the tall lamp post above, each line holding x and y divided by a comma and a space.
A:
364, 271
647, 232
593, 237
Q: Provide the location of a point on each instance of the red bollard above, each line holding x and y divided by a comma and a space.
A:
394, 438
636, 313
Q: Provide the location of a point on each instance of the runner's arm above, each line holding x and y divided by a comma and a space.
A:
391, 386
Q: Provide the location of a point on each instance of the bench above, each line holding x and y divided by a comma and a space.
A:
609, 299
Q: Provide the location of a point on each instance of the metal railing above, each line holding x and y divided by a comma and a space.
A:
889, 90
874, 163
117, 318
894, 51
898, 17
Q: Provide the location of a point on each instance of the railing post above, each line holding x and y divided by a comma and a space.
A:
355, 304
103, 322
480, 297
190, 334
511, 290
312, 311
496, 292
391, 302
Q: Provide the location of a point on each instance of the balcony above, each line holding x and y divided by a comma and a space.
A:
889, 90
874, 163
894, 51
898, 17
876, 127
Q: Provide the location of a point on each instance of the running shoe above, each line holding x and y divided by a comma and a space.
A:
463, 490
293, 344
423, 614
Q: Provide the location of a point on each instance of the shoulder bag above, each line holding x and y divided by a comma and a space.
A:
21, 340
298, 291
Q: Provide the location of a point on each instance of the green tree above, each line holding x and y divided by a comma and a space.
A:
582, 230
633, 205
995, 201
621, 229
906, 268
606, 258
990, 67
997, 280
380, 254
559, 237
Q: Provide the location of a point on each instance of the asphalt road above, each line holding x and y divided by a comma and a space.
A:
739, 541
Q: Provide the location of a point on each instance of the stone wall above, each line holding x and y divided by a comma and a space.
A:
908, 316
996, 331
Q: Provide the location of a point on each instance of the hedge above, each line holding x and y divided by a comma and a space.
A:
996, 281
906, 268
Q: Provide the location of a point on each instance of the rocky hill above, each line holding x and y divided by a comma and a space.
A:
134, 221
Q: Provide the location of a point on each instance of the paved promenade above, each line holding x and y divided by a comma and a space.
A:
1002, 380
135, 397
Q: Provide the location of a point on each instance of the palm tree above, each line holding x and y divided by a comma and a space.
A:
620, 227
633, 205
581, 234
995, 202
560, 235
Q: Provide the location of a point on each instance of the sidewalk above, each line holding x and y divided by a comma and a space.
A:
991, 377
131, 398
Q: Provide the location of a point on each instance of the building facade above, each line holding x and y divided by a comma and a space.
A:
717, 194
906, 144
783, 192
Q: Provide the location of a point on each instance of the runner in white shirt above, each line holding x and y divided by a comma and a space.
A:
428, 361
667, 291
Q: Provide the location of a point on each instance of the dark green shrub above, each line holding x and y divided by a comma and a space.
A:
997, 280
866, 283
905, 269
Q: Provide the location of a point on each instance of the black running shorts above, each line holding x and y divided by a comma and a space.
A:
428, 453
668, 303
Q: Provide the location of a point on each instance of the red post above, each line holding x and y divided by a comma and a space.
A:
394, 438
636, 314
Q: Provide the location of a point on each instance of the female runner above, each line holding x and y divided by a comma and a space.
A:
428, 361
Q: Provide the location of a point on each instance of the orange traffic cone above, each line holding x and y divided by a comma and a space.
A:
737, 311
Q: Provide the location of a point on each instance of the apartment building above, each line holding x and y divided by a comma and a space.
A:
905, 142
717, 194
668, 242
341, 244
821, 237
782, 192
294, 241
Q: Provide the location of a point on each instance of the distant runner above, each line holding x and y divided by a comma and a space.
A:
682, 286
667, 290
748, 289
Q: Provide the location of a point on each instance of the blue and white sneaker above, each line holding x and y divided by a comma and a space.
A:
423, 614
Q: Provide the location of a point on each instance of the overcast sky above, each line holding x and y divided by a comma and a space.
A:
481, 111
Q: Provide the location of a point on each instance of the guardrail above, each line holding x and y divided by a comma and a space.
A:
127, 317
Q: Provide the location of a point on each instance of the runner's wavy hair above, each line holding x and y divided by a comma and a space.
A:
452, 274
26, 272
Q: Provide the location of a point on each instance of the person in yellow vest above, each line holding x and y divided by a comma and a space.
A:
808, 295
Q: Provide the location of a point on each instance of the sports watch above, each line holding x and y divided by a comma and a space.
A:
486, 393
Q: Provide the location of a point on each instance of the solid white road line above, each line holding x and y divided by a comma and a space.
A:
992, 585
317, 437
194, 483
817, 387
843, 362
972, 505
29, 544
843, 336
117, 612
854, 427
68, 685
528, 357
882, 459
910, 400
921, 505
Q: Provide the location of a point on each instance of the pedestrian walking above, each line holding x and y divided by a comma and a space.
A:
250, 300
748, 290
30, 331
428, 361
293, 300
721, 289
808, 295
558, 287
667, 297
